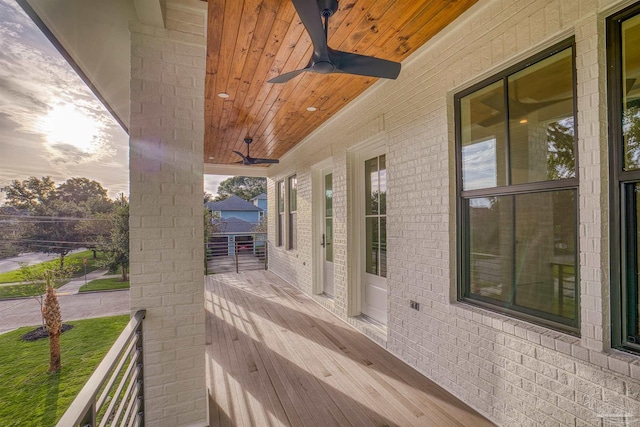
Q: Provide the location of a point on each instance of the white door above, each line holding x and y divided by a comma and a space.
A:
327, 234
374, 289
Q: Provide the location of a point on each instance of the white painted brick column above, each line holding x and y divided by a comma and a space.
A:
166, 223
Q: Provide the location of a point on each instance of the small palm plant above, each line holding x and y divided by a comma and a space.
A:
50, 306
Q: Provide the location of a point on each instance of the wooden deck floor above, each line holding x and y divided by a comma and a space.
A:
276, 358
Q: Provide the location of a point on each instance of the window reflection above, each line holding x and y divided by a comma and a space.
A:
541, 133
483, 126
522, 251
375, 219
631, 92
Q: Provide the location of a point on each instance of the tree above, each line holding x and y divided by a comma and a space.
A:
86, 193
116, 245
244, 187
50, 306
60, 218
561, 157
30, 193
8, 234
208, 197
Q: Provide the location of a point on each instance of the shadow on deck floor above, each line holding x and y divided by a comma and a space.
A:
276, 358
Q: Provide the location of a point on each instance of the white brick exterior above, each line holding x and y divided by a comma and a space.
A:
166, 228
513, 372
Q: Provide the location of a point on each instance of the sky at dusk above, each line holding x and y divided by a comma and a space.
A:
51, 124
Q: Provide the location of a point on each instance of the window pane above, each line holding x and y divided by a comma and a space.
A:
631, 92
372, 246
383, 247
382, 176
545, 278
491, 247
293, 194
541, 120
293, 233
281, 196
482, 126
328, 195
328, 250
522, 257
371, 187
632, 333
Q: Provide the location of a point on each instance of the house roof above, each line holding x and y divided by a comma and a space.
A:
232, 203
233, 225
261, 196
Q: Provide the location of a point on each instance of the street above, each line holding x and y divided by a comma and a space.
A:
26, 312
15, 313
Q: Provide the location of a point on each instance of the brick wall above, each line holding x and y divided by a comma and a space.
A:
166, 141
514, 372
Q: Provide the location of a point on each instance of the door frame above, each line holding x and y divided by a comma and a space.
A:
373, 147
318, 171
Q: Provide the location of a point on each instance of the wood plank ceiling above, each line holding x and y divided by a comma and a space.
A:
252, 41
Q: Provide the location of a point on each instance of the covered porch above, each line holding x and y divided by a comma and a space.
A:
275, 358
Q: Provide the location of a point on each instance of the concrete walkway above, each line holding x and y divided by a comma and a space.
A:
74, 306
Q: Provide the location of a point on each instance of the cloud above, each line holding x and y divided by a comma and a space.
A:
211, 183
51, 124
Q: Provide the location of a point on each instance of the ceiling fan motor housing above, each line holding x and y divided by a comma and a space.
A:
327, 7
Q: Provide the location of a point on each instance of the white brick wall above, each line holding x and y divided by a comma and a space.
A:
166, 140
514, 372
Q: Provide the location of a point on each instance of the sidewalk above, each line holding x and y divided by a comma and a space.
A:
74, 285
74, 306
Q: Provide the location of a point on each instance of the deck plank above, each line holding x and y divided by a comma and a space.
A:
276, 358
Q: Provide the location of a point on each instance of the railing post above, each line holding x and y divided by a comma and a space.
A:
89, 419
266, 245
236, 254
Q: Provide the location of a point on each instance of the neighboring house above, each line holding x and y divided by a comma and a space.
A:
477, 217
235, 207
261, 201
235, 220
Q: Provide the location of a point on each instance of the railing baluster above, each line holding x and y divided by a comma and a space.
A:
87, 407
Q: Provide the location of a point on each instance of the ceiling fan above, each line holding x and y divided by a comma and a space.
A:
248, 160
326, 60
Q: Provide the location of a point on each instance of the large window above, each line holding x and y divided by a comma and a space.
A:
517, 191
280, 217
375, 215
293, 212
623, 46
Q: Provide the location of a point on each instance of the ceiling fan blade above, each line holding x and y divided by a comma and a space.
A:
240, 154
309, 13
283, 78
352, 63
265, 161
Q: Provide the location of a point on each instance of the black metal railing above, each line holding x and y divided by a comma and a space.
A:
227, 254
113, 396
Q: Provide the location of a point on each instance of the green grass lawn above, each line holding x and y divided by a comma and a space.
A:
74, 259
27, 290
33, 397
105, 285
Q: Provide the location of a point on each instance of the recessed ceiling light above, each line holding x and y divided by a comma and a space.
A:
223, 95
211, 158
523, 121
311, 108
